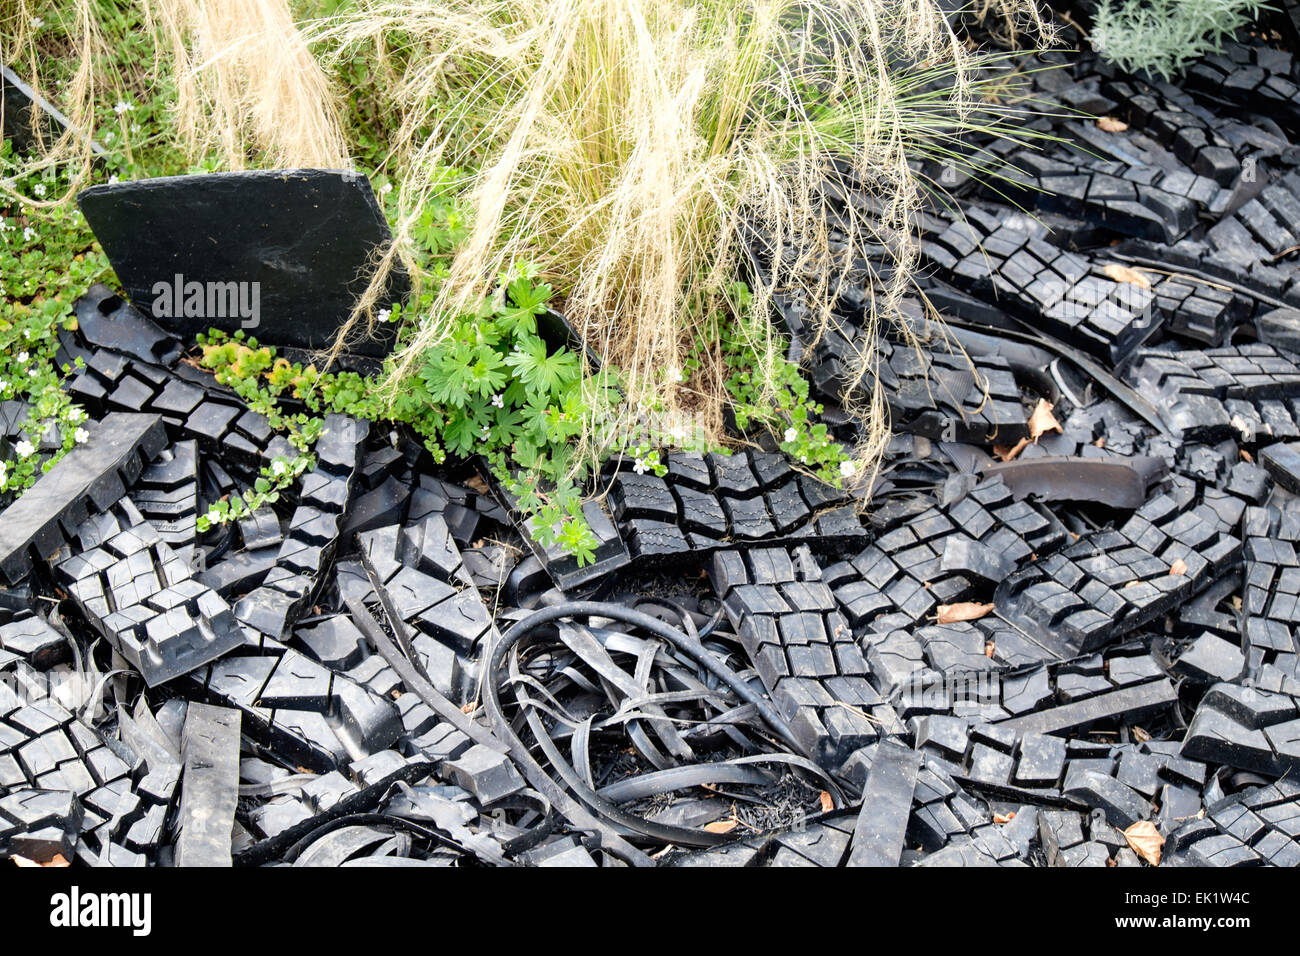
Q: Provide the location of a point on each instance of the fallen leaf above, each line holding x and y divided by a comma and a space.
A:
989, 648
1178, 567
1042, 420
1132, 584
965, 611
1004, 817
1140, 735
1118, 273
720, 826
1246, 456
469, 708
1145, 840
1236, 602
1100, 442
1005, 453
58, 860
1108, 124
828, 802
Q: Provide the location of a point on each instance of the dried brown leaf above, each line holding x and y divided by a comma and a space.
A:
1178, 567
964, 611
1008, 453
1119, 273
828, 802
1004, 817
721, 826
1145, 840
1042, 420
1109, 124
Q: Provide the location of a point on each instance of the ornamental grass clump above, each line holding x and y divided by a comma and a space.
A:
618, 144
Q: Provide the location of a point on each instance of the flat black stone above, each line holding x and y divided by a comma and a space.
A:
304, 235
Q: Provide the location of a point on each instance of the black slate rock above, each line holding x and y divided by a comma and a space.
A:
305, 235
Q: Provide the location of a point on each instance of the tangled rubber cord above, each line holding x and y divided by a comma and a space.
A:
501, 669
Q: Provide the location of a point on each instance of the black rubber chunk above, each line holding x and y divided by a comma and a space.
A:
803, 650
167, 495
1258, 826
1117, 482
303, 711
1246, 728
1110, 582
1270, 613
307, 550
89, 479
1195, 389
318, 227
39, 824
881, 830
106, 320
1282, 461
135, 591
209, 786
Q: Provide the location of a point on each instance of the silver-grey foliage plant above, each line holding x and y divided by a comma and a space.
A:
1163, 36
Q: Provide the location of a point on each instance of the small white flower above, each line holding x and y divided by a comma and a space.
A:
76, 415
29, 234
486, 433
385, 189
4, 473
803, 459
383, 315
122, 106
81, 436
39, 189
640, 466
24, 448
22, 358
109, 136
498, 401
37, 23
791, 435
3, 385
847, 468
277, 467
112, 180
214, 516
34, 372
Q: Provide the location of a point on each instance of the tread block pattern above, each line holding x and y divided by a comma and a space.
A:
803, 650
1231, 392
135, 591
167, 494
939, 393
1047, 768
713, 501
190, 403
1270, 613
1255, 79
60, 780
904, 570
300, 709
1064, 294
1112, 581
305, 554
89, 479
1258, 826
